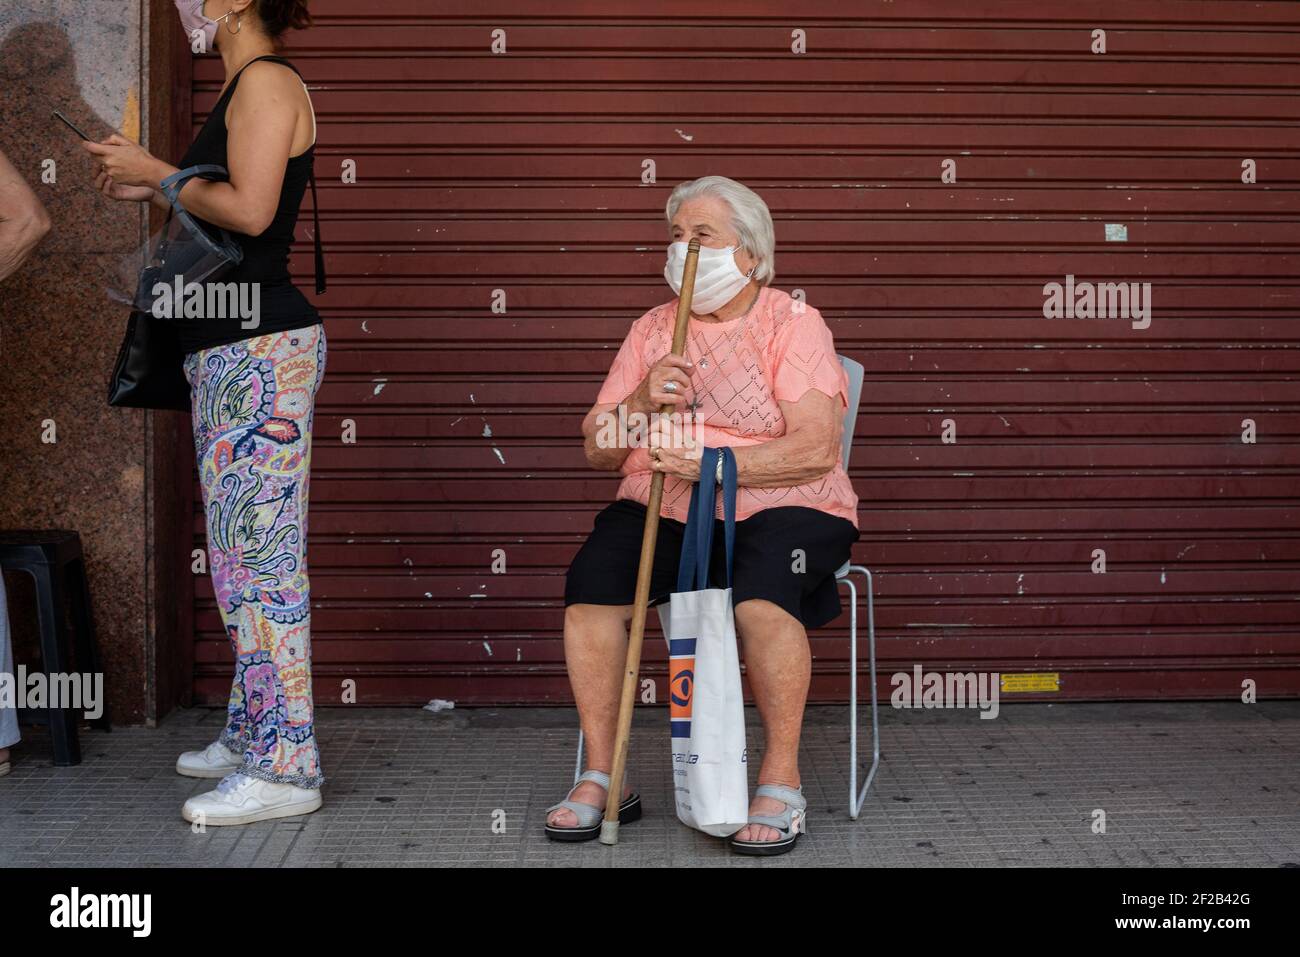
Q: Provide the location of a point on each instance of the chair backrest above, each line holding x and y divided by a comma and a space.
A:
854, 371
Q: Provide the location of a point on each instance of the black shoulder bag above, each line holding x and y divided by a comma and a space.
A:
149, 371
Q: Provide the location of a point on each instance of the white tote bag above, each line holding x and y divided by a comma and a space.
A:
706, 704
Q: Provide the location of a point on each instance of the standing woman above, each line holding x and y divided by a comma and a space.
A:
253, 392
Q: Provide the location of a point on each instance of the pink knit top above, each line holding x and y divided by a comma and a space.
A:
739, 377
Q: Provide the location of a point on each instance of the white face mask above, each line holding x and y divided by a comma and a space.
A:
717, 278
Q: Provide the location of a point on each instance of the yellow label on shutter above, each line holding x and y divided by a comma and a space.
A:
1042, 681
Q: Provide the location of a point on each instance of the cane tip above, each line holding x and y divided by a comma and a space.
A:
609, 832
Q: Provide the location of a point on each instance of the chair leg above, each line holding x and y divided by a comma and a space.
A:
577, 767
54, 657
87, 645
858, 798
875, 705
853, 696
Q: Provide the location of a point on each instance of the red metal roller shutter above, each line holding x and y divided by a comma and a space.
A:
521, 172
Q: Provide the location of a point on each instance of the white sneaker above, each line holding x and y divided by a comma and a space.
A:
240, 799
214, 761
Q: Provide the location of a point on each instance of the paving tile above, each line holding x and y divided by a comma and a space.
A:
1181, 784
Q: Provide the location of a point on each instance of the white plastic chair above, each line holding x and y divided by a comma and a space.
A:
857, 798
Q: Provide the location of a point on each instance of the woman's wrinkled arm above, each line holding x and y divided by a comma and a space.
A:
605, 433
23, 220
600, 438
809, 449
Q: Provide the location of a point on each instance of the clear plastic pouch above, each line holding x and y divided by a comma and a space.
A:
181, 257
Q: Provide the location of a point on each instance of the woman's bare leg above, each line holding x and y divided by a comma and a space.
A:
778, 662
595, 651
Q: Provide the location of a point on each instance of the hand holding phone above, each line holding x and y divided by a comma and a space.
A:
103, 182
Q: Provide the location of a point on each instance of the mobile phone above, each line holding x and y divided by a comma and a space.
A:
72, 126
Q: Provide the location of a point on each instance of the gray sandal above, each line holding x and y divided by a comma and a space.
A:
791, 822
589, 815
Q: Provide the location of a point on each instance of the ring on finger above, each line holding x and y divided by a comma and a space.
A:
670, 386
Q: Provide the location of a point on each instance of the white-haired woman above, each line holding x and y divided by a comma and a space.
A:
760, 371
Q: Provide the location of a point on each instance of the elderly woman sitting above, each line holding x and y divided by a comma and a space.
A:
761, 374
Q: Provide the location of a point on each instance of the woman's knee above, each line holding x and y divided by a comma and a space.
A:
758, 617
582, 619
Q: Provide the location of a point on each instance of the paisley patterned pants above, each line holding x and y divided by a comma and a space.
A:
252, 411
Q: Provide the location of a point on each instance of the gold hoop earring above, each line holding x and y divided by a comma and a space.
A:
239, 25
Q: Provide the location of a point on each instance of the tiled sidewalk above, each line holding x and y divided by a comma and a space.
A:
1180, 784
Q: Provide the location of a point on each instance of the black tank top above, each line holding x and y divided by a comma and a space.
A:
266, 257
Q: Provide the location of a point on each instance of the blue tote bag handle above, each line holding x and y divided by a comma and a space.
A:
697, 541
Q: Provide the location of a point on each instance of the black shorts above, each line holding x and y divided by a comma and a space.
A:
765, 565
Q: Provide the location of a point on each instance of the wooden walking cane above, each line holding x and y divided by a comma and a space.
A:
609, 826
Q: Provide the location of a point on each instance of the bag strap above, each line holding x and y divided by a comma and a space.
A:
171, 186
697, 540
315, 222
686, 571
707, 502
730, 481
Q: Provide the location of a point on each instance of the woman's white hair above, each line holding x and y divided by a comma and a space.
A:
750, 217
